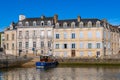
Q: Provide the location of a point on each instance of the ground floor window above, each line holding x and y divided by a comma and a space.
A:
81, 53
89, 53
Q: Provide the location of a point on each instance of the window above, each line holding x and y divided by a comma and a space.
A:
57, 25
26, 45
27, 33
49, 34
89, 53
81, 45
42, 23
57, 36
109, 45
42, 44
27, 23
20, 24
57, 54
65, 54
98, 34
12, 46
65, 35
89, 45
12, 36
89, 34
49, 43
42, 34
81, 34
98, 24
81, 53
65, 25
20, 33
98, 45
57, 46
20, 45
73, 45
73, 35
81, 24
33, 32
7, 37
89, 24
34, 23
73, 24
7, 46
65, 46
34, 44
49, 23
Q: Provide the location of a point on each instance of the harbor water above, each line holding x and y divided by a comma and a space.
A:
62, 73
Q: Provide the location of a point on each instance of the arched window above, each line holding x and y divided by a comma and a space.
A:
73, 24
89, 24
49, 23
81, 24
57, 25
65, 25
34, 23
27, 23
20, 24
42, 23
98, 24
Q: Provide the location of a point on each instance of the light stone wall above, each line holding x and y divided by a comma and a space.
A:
37, 40
60, 52
10, 41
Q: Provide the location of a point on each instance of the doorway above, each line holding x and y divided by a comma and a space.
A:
73, 53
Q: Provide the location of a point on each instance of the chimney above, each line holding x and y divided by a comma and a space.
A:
55, 18
42, 17
104, 20
21, 17
79, 19
12, 25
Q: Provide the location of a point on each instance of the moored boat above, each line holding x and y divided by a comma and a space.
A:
46, 62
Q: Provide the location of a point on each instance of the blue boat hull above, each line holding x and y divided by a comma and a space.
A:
42, 65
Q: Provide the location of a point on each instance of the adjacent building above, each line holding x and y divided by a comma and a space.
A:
80, 37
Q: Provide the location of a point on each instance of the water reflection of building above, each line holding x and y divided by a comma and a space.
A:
25, 74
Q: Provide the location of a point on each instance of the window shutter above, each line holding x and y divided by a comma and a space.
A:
62, 46
75, 45
101, 45
54, 36
93, 45
87, 45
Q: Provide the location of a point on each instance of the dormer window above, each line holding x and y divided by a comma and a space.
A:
27, 23
89, 24
65, 25
34, 23
42, 23
57, 25
20, 24
73, 24
49, 23
98, 24
81, 24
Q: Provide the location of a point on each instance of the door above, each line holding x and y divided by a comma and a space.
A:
73, 53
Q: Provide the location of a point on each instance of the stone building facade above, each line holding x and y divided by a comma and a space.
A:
78, 37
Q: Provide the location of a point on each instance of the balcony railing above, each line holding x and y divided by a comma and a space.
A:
26, 37
42, 37
34, 37
20, 37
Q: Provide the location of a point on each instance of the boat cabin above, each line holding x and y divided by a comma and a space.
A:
46, 59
